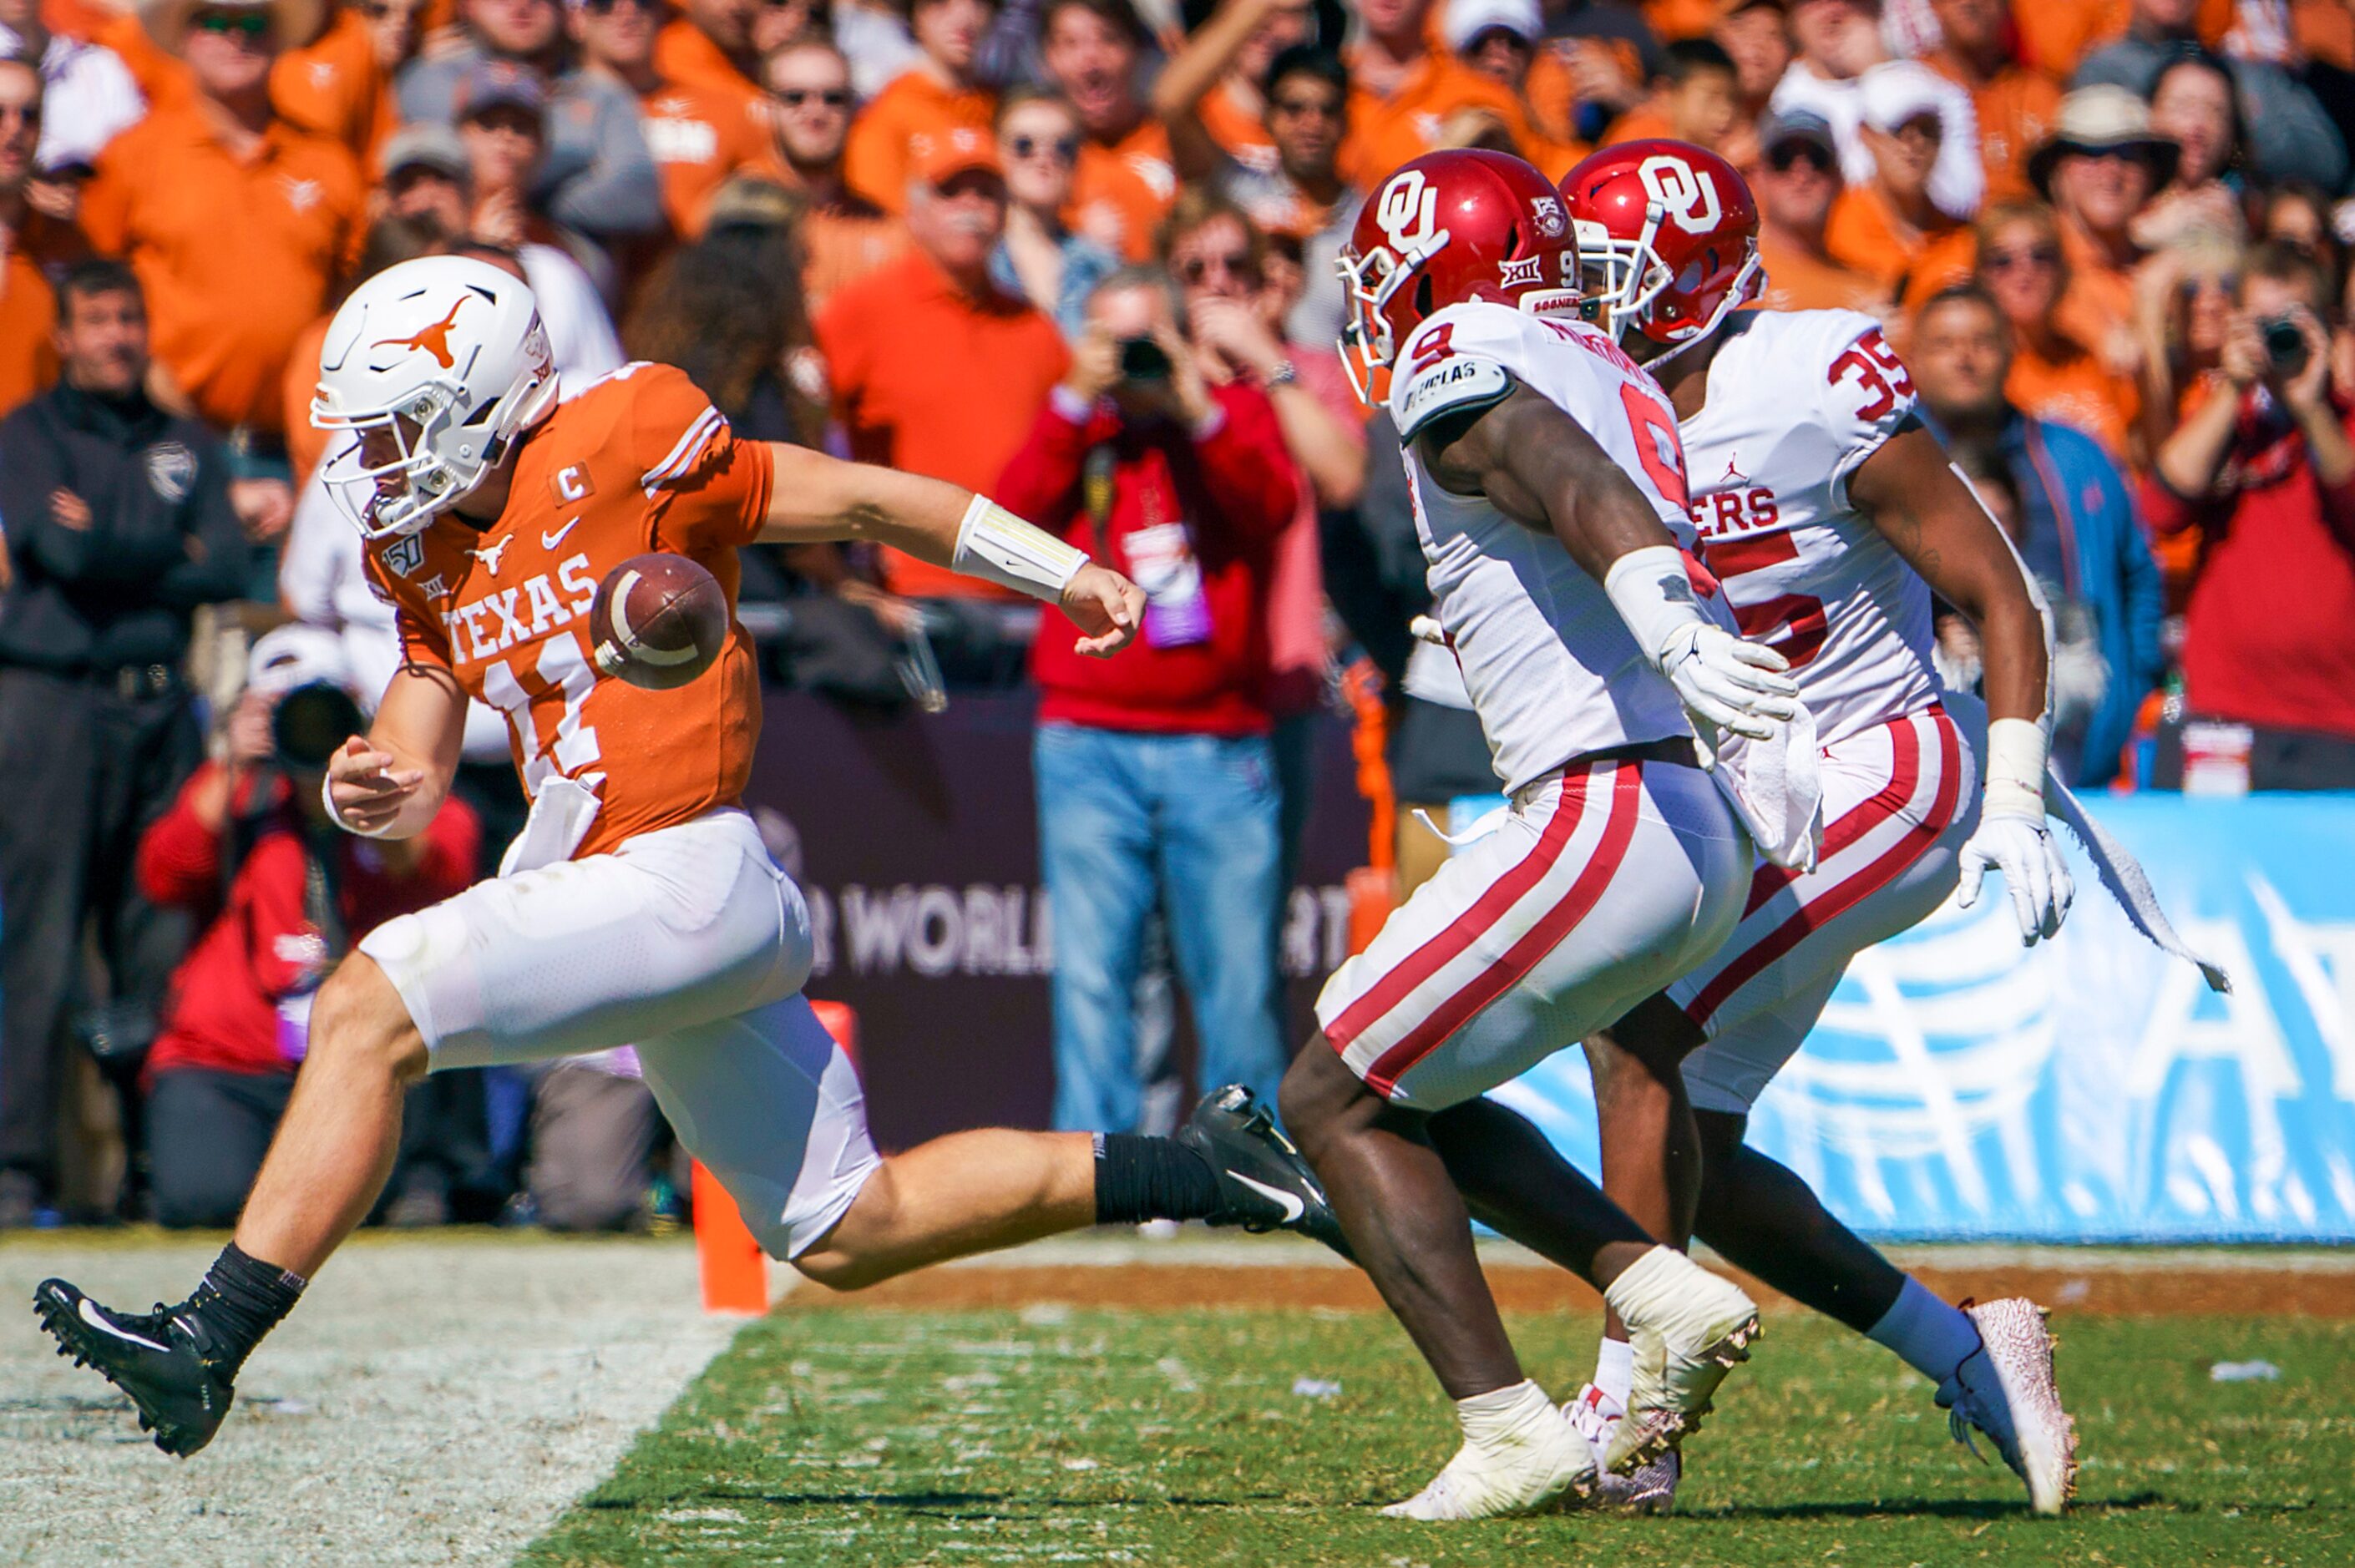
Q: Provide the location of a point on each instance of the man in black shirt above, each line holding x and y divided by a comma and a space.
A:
119, 526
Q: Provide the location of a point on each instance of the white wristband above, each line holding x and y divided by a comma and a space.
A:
2015, 751
1649, 589
327, 799
996, 546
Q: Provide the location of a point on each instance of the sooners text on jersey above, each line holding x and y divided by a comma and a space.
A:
1796, 401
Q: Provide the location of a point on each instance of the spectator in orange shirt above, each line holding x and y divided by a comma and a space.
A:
712, 43
2100, 165
2054, 375
1402, 91
1498, 40
2193, 103
698, 134
1042, 258
2015, 104
844, 236
1796, 183
1219, 77
936, 93
28, 359
1091, 50
1303, 206
938, 371
1697, 98
1295, 188
1596, 62
1890, 228
238, 225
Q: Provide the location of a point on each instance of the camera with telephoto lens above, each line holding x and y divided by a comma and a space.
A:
2284, 343
1142, 359
310, 723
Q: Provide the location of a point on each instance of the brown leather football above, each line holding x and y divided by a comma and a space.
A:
659, 621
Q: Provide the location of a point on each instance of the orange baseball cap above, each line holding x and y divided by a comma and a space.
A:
938, 155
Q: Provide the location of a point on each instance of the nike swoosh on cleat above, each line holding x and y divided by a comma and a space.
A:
548, 541
1292, 1207
103, 1326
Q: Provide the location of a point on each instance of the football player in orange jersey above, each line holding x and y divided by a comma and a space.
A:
638, 907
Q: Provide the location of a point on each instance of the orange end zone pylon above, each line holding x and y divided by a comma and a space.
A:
734, 1270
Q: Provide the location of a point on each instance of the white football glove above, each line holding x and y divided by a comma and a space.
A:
2021, 847
1732, 684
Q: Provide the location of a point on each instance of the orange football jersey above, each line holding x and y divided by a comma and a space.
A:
638, 460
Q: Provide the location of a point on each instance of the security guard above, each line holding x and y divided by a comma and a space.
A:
119, 526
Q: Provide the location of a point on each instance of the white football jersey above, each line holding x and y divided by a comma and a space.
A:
1553, 671
1796, 401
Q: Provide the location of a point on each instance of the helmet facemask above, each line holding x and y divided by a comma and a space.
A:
1626, 277
1369, 283
439, 456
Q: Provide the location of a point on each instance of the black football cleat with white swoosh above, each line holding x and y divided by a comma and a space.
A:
164, 1360
1265, 1183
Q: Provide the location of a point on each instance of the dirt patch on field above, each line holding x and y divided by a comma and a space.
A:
2256, 1291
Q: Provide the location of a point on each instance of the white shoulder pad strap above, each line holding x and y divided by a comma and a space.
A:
1459, 360
1456, 384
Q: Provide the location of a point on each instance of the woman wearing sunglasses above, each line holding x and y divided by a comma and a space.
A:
1040, 258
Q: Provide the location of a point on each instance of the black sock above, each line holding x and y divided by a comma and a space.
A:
1140, 1178
241, 1299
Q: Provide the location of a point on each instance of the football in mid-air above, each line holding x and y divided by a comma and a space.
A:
659, 621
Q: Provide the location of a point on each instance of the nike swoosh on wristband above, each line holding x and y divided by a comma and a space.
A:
548, 541
1292, 1207
103, 1326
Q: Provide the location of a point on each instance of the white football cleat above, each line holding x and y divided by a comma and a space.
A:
1526, 1474
2006, 1390
1649, 1489
1689, 1328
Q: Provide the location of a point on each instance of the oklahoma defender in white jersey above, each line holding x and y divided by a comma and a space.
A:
639, 905
1829, 515
1549, 496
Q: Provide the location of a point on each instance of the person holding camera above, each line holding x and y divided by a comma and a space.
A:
1156, 781
2264, 471
282, 895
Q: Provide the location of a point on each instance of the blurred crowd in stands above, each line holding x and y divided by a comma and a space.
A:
1078, 254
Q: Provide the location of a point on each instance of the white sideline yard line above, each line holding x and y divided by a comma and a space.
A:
434, 1400
1111, 1248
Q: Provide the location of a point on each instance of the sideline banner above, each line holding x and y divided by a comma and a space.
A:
2091, 1088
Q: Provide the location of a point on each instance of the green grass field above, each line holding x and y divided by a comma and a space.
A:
840, 1434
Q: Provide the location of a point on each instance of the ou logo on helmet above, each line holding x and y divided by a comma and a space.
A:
1409, 200
1688, 195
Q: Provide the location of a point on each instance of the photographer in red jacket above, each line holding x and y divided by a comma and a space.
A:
280, 895
1157, 783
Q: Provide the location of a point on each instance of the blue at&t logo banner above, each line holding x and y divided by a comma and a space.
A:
2091, 1088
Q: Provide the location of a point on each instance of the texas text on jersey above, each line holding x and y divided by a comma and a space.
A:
638, 460
1797, 401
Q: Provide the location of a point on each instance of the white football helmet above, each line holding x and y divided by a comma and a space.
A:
448, 356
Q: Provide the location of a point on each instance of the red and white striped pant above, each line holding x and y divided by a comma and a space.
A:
1605, 882
1899, 800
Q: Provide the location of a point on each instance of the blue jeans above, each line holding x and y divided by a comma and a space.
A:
1186, 823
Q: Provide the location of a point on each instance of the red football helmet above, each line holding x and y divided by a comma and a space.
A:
1668, 236
1447, 228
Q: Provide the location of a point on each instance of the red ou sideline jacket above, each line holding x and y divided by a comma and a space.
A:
257, 945
1235, 487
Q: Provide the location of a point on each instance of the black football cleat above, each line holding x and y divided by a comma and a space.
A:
1264, 1182
164, 1360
